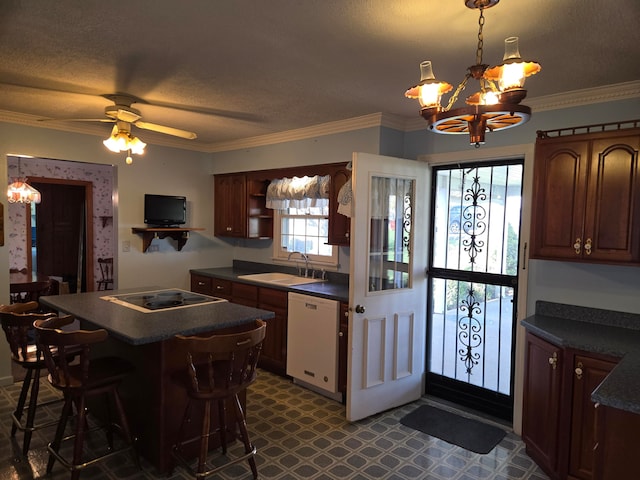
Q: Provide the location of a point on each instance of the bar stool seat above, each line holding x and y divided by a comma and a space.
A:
218, 368
17, 323
78, 382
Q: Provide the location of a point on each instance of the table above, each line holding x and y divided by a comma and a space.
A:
25, 286
153, 401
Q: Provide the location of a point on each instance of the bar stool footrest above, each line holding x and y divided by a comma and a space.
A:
200, 475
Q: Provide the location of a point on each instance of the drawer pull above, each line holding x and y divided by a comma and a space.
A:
219, 287
201, 284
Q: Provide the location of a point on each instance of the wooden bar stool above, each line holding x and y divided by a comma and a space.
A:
78, 382
18, 329
218, 368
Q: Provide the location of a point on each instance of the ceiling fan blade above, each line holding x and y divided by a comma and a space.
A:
103, 120
176, 132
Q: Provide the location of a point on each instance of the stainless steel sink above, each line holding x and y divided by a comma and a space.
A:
277, 278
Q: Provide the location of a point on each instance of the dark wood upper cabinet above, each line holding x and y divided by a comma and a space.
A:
240, 202
230, 205
586, 198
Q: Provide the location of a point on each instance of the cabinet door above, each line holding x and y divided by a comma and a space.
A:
274, 349
559, 197
612, 220
588, 373
339, 225
618, 448
230, 205
542, 382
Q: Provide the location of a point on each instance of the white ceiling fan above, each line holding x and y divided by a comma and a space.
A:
121, 112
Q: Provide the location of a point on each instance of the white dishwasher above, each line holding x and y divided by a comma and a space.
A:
312, 343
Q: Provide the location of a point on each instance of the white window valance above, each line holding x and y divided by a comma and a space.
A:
298, 192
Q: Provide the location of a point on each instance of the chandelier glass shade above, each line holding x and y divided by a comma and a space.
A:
19, 191
496, 106
121, 140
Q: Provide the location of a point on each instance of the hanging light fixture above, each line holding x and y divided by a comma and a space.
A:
19, 191
495, 107
121, 140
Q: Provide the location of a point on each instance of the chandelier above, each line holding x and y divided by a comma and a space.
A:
496, 106
121, 140
19, 191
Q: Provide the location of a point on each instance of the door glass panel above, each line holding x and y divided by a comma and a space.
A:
390, 235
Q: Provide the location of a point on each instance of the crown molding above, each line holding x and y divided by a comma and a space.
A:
339, 126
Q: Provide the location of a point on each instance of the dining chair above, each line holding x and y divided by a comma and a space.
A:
78, 381
30, 291
17, 323
106, 272
217, 369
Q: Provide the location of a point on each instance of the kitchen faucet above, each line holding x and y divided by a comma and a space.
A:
306, 262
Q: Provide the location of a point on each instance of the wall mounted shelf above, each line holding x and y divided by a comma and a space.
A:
180, 235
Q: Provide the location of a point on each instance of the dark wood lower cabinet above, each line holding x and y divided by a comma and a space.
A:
563, 430
541, 405
274, 350
618, 447
588, 372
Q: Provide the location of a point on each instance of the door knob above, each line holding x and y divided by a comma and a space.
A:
360, 309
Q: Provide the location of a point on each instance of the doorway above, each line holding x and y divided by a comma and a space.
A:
62, 226
473, 284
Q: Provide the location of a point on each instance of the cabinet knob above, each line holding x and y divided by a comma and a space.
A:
577, 246
201, 284
587, 246
341, 334
578, 370
553, 360
219, 287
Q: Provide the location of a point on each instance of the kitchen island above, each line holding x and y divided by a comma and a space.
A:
154, 402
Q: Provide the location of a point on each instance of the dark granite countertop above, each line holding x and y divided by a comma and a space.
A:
331, 289
137, 328
596, 331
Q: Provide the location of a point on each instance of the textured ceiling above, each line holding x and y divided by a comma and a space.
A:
235, 69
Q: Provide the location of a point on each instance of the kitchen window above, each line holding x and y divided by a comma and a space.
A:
304, 230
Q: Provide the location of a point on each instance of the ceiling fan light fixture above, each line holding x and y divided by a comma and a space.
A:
495, 107
121, 140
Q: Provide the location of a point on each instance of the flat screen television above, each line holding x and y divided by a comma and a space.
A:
165, 210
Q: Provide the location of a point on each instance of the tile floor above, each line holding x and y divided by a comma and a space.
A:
299, 434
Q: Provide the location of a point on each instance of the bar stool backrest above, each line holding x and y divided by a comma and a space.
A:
19, 331
57, 345
222, 365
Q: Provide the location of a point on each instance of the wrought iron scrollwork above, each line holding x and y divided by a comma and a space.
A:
473, 219
470, 331
406, 221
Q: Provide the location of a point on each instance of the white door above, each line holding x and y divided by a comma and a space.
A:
387, 292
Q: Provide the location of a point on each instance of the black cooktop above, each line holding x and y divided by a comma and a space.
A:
163, 299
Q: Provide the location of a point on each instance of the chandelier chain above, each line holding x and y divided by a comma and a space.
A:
480, 38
